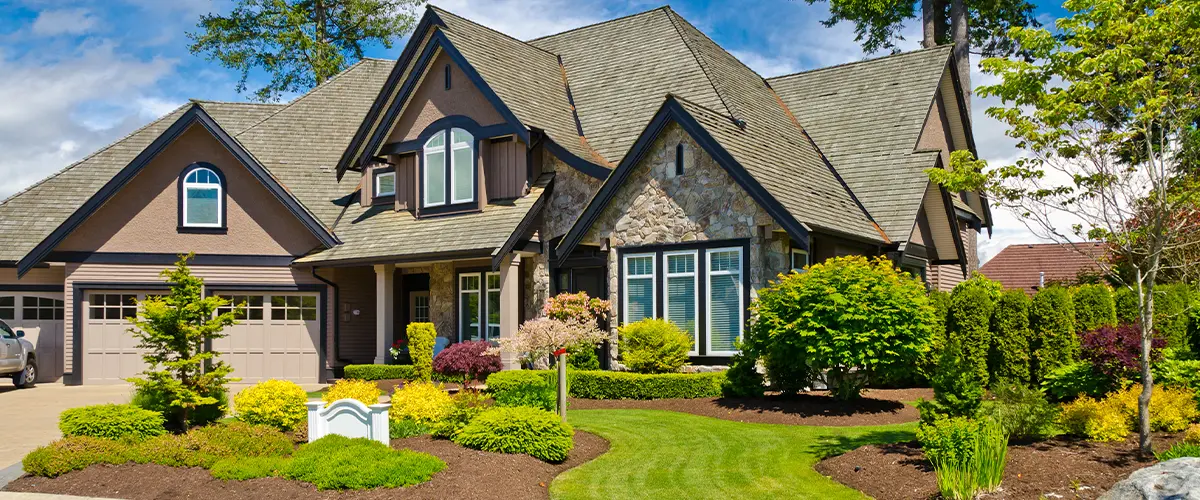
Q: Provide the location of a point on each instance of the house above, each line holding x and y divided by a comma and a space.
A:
478, 174
1030, 267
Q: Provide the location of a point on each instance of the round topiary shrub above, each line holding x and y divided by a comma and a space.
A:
424, 402
277, 403
537, 433
851, 318
467, 361
363, 390
654, 346
111, 422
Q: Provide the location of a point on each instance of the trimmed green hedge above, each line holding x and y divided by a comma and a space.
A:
1008, 359
380, 372
617, 385
1094, 307
111, 422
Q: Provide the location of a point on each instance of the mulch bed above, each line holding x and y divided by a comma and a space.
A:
1067, 467
876, 407
469, 475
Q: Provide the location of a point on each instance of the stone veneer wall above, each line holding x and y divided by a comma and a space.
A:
442, 303
654, 206
537, 284
572, 192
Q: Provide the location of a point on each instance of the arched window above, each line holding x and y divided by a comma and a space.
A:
449, 168
202, 197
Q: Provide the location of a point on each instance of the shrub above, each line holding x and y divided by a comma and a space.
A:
524, 388
380, 372
1052, 321
111, 422
467, 361
405, 428
243, 468
1192, 435
1172, 371
1126, 302
928, 359
743, 380
277, 403
421, 339
538, 338
537, 433
948, 439
73, 453
852, 318
238, 439
1070, 381
158, 401
625, 385
1095, 420
583, 357
1008, 357
1171, 409
423, 402
1179, 450
1094, 307
971, 305
1024, 413
967, 455
1171, 304
337, 462
957, 390
1116, 352
364, 391
654, 346
576, 306
468, 404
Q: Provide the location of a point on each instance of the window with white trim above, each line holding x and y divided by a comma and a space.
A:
724, 300
435, 171
639, 288
385, 184
449, 168
681, 306
462, 166
479, 305
799, 260
203, 200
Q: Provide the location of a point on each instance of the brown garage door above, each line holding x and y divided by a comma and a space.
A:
277, 337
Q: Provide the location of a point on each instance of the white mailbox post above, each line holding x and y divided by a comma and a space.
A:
348, 417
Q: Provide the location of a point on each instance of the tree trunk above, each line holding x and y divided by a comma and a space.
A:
321, 29
962, 45
1146, 303
928, 23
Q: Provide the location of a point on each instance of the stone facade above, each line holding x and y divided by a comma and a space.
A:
442, 303
537, 284
572, 192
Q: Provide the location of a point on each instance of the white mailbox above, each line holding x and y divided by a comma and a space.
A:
348, 417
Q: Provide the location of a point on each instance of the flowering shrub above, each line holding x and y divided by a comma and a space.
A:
1115, 351
466, 361
425, 402
277, 403
397, 349
538, 338
362, 390
576, 306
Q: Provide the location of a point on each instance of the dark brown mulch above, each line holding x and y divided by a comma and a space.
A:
1067, 467
876, 407
469, 474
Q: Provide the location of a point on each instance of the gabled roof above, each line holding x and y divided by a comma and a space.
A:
840, 107
1022, 266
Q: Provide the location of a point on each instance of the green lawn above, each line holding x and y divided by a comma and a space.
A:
660, 454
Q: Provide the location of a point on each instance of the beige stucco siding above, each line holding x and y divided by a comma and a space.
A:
143, 216
214, 276
52, 275
431, 101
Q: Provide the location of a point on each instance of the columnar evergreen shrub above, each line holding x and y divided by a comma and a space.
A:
654, 345
957, 389
421, 339
968, 322
928, 360
111, 422
1052, 321
1008, 358
1094, 307
278, 403
1126, 302
1171, 308
467, 361
851, 318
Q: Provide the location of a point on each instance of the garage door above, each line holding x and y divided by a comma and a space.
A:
277, 337
40, 316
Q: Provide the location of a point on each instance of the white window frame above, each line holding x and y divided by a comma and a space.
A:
462, 292
625, 284
486, 304
792, 260
425, 152
695, 275
379, 193
741, 292
458, 146
218, 187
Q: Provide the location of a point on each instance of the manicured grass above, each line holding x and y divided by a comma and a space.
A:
660, 454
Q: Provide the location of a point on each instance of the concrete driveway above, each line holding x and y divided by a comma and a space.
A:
29, 417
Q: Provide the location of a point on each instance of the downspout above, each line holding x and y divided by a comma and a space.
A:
336, 324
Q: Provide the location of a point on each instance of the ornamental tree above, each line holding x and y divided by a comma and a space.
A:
1114, 351
175, 332
1106, 110
539, 338
851, 318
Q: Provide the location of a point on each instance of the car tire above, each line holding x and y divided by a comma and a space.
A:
27, 377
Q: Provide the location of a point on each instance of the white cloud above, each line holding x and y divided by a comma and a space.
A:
63, 22
767, 66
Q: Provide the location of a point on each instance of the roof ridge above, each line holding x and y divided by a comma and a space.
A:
598, 23
501, 33
250, 103
94, 153
289, 104
674, 20
863, 61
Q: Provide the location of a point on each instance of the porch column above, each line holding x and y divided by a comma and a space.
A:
510, 282
384, 305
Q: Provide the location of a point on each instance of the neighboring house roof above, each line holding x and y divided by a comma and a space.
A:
841, 108
1022, 266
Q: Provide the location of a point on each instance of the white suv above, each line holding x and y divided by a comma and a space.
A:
16, 357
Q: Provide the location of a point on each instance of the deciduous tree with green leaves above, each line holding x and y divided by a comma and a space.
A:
175, 331
299, 43
1103, 110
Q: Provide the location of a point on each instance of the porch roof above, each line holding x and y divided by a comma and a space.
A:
380, 233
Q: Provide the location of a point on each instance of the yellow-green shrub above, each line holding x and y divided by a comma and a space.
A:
277, 403
1096, 420
1193, 434
424, 402
362, 390
422, 338
1172, 409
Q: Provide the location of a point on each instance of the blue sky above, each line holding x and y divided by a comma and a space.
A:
76, 75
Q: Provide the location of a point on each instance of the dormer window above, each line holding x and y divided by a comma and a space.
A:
448, 169
202, 197
385, 183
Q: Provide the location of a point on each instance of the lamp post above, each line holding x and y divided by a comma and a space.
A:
561, 354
